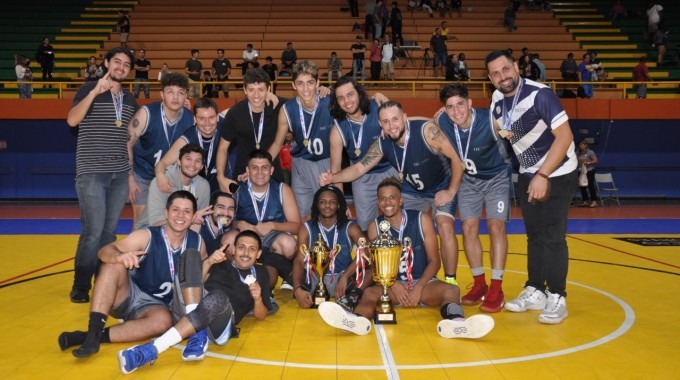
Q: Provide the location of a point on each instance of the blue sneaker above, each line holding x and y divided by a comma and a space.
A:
136, 356
197, 345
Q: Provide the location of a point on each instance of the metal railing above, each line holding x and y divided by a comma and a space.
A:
477, 88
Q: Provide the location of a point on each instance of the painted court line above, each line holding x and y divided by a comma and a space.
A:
386, 353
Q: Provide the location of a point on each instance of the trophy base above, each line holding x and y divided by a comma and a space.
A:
382, 318
319, 300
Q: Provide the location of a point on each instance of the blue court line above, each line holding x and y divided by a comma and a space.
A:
516, 226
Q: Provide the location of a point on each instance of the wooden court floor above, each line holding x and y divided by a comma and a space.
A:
623, 319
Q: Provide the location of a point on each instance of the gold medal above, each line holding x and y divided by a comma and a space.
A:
504, 133
462, 164
357, 152
401, 176
305, 142
257, 146
119, 123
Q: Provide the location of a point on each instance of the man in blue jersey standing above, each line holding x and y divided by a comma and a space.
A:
428, 166
140, 281
531, 116
486, 184
153, 130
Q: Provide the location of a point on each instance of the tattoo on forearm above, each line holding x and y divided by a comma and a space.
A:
373, 155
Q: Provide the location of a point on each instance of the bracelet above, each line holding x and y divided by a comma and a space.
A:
542, 175
296, 288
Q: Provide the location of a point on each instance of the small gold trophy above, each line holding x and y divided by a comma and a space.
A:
385, 257
318, 259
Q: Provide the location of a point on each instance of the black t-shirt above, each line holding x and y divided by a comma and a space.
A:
194, 65
221, 67
124, 24
142, 74
227, 278
239, 128
271, 69
358, 46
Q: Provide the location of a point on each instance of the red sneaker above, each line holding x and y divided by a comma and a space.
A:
475, 295
493, 301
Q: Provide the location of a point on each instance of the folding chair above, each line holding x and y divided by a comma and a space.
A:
605, 183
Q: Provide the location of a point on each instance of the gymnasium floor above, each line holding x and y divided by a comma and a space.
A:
623, 316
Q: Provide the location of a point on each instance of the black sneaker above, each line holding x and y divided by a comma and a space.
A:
79, 296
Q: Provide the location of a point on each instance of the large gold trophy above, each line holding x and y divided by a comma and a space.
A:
318, 259
385, 257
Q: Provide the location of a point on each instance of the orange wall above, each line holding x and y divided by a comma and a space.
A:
594, 109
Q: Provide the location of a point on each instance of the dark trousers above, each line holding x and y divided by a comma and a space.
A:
354, 7
591, 188
375, 70
546, 228
396, 35
370, 27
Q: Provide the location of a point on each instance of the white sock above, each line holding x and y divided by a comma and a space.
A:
190, 307
167, 340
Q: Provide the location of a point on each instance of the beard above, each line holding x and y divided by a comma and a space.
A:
513, 86
399, 136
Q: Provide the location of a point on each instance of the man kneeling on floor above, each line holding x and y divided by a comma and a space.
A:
234, 288
416, 284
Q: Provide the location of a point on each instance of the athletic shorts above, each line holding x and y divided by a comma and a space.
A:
140, 199
491, 194
412, 202
305, 181
388, 67
135, 303
269, 239
124, 37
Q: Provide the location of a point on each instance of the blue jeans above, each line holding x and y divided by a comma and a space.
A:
546, 228
101, 197
358, 66
141, 85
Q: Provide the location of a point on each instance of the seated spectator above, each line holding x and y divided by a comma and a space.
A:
250, 56
288, 59
599, 73
569, 69
528, 68
463, 67
272, 70
92, 71
209, 88
164, 71
334, 67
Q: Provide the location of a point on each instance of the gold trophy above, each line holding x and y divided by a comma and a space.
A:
318, 259
385, 257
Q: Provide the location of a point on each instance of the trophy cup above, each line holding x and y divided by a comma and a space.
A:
318, 258
385, 257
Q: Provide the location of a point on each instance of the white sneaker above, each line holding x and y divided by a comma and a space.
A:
471, 328
336, 316
530, 299
285, 286
555, 310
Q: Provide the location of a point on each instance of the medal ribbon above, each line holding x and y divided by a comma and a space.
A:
208, 157
258, 214
403, 154
463, 155
257, 133
307, 131
118, 104
360, 269
166, 124
507, 115
168, 246
360, 135
243, 279
331, 255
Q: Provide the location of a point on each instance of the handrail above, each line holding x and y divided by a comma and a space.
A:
414, 85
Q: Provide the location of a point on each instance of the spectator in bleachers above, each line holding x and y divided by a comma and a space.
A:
358, 57
193, 68
617, 11
383, 15
288, 59
334, 67
569, 69
45, 57
661, 39
209, 87
542, 76
653, 19
165, 69
528, 68
142, 67
426, 5
24, 75
454, 71
272, 70
457, 6
585, 70
92, 71
369, 19
463, 67
123, 27
388, 57
250, 56
396, 24
439, 51
376, 60
510, 18
221, 68
641, 74
445, 31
